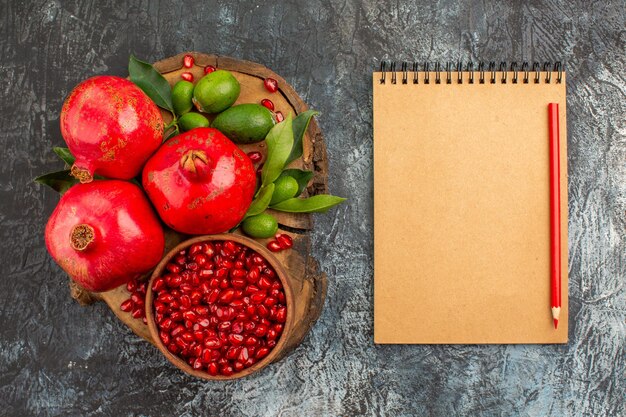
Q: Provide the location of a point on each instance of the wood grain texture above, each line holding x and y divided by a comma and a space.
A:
56, 359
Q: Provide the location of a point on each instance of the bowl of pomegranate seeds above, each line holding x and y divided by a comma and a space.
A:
218, 306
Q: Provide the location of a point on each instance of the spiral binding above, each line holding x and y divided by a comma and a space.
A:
502, 68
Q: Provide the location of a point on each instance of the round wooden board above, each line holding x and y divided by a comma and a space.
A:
298, 262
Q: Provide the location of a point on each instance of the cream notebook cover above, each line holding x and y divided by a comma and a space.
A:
461, 208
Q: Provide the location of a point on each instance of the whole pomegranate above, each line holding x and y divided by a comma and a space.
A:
104, 234
200, 182
111, 127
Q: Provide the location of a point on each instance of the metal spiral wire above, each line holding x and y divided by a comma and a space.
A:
526, 72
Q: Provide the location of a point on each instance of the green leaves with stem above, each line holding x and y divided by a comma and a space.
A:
151, 82
316, 204
300, 126
65, 155
59, 181
146, 77
261, 201
279, 146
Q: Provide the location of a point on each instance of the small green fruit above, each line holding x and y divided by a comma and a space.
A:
244, 123
192, 120
285, 187
215, 92
260, 226
182, 94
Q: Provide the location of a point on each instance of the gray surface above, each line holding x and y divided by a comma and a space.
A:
58, 358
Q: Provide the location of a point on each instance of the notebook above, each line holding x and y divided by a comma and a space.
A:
461, 204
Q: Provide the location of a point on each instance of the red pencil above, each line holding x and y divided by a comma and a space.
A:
555, 213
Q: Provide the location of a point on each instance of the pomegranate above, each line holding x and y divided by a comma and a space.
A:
219, 306
104, 234
200, 182
111, 127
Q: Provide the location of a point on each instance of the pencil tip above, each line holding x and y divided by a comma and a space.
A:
556, 323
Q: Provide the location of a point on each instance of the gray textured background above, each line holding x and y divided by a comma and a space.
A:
57, 358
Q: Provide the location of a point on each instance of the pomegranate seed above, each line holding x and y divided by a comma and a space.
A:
274, 246
263, 311
227, 296
235, 339
227, 370
173, 268
185, 301
279, 116
158, 284
237, 273
285, 241
270, 344
196, 297
137, 313
261, 330
131, 286
187, 76
255, 156
165, 337
281, 315
174, 281
209, 69
271, 334
166, 323
188, 61
176, 316
249, 326
237, 327
239, 366
232, 352
127, 306
271, 85
212, 343
189, 315
268, 104
264, 283
212, 369
261, 353
258, 297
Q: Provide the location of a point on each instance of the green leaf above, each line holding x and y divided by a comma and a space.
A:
316, 204
300, 125
279, 144
303, 178
65, 155
151, 82
59, 181
261, 201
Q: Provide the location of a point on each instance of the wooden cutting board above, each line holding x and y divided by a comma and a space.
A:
312, 291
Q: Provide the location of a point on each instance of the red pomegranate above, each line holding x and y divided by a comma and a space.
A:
200, 182
111, 127
104, 234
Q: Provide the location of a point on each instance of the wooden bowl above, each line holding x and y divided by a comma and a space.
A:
281, 346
